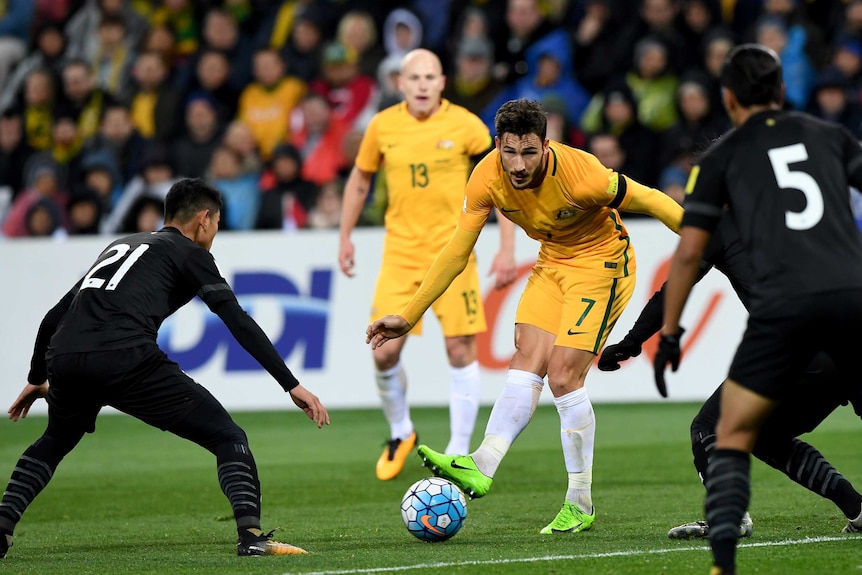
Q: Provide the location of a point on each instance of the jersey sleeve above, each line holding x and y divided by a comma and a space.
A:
706, 193
200, 269
368, 157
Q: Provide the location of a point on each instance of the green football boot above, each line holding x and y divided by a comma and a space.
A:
570, 519
459, 469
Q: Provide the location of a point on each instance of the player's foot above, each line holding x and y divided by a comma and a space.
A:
853, 526
391, 462
459, 469
5, 544
570, 519
700, 529
693, 530
716, 570
256, 542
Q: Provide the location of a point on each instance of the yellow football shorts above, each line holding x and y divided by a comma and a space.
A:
580, 309
460, 309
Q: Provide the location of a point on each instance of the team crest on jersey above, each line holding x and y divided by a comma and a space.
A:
445, 145
566, 214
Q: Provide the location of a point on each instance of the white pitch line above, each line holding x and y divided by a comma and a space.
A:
399, 568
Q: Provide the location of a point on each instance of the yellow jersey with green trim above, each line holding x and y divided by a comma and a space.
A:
569, 213
426, 164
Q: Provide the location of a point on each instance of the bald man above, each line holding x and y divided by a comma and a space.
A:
428, 146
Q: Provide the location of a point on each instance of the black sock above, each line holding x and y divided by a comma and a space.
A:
237, 476
807, 467
28, 479
702, 446
728, 491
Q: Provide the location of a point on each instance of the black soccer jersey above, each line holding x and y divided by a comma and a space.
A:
136, 283
785, 177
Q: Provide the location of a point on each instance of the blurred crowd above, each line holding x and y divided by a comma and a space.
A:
105, 103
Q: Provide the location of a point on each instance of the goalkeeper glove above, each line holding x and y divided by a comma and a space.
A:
612, 355
668, 353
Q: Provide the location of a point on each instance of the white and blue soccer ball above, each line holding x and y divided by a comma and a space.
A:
433, 509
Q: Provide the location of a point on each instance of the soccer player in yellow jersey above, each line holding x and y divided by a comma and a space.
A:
425, 145
583, 278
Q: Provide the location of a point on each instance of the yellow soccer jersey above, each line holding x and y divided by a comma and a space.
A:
426, 164
568, 213
266, 111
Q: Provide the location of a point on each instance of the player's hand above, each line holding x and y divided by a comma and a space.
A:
30, 393
612, 355
345, 257
668, 352
386, 328
504, 269
310, 404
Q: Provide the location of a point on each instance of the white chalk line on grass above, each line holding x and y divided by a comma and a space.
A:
629, 553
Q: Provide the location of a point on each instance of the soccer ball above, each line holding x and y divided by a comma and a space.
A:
433, 509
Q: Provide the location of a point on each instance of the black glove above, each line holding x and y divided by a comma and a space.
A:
612, 355
668, 352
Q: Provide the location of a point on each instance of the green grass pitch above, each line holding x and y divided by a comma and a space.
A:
131, 499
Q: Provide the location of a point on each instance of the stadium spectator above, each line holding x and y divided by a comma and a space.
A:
848, 60
180, 17
357, 31
799, 72
524, 27
654, 85
65, 142
48, 55
426, 146
387, 82
287, 197
266, 104
112, 62
326, 212
83, 27
44, 180
698, 125
100, 174
698, 18
211, 76
658, 19
84, 213
44, 219
402, 32
830, 101
192, 151
304, 44
473, 85
37, 108
14, 152
352, 96
597, 54
146, 214
618, 116
319, 140
81, 99
716, 46
221, 33
119, 139
240, 191
580, 253
16, 17
154, 181
153, 103
162, 41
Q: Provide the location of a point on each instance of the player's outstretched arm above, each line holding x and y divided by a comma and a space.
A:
504, 268
645, 200
310, 404
355, 193
21, 406
386, 328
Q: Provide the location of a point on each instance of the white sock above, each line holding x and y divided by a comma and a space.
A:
392, 388
509, 417
577, 434
464, 391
